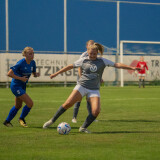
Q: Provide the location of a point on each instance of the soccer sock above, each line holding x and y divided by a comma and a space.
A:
88, 121
25, 111
89, 107
76, 109
60, 111
12, 113
139, 83
143, 82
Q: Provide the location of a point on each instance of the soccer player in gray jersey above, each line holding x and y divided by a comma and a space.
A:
77, 104
88, 84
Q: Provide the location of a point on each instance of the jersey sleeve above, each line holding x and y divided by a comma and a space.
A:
108, 62
34, 67
78, 63
16, 67
138, 65
146, 66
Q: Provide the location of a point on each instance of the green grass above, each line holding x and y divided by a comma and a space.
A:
128, 127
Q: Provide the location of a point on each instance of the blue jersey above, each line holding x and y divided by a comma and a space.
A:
23, 69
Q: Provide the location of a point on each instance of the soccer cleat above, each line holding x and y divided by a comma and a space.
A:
22, 122
7, 124
85, 130
47, 124
74, 120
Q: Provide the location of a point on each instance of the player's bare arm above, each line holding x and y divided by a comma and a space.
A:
67, 68
12, 75
123, 66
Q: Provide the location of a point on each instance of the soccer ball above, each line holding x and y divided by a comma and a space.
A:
63, 128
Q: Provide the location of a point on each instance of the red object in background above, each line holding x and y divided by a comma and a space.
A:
143, 66
133, 64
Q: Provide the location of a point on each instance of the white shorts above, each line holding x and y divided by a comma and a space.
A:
141, 75
87, 92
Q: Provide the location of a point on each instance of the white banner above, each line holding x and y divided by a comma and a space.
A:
50, 63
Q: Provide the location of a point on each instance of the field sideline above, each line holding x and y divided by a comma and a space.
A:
128, 126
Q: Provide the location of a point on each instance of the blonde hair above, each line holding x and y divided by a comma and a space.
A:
90, 41
26, 49
98, 47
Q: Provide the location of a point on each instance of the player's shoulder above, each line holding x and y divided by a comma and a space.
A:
33, 62
106, 61
21, 61
102, 59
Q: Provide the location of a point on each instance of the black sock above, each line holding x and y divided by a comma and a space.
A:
76, 109
60, 111
139, 83
88, 121
143, 82
89, 107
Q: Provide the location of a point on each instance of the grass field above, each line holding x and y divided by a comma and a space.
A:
128, 127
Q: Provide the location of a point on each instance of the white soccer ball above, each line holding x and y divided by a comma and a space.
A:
63, 128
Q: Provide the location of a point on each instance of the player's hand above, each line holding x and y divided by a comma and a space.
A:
53, 75
137, 69
147, 71
37, 74
24, 79
135, 72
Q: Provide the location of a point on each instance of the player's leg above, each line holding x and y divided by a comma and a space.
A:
140, 81
89, 108
74, 97
75, 111
13, 112
95, 105
143, 81
26, 109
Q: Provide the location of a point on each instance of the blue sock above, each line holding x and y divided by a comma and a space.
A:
12, 113
25, 111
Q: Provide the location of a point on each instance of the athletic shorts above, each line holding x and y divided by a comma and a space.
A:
141, 75
18, 90
87, 92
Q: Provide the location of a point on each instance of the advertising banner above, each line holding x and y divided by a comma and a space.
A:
51, 63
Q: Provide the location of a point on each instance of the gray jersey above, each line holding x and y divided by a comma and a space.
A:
92, 71
83, 55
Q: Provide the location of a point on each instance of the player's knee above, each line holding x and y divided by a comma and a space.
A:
30, 104
96, 112
67, 105
18, 106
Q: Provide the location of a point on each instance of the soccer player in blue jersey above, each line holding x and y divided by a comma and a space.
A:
88, 84
20, 74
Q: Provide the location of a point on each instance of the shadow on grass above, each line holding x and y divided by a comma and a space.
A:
126, 132
40, 127
126, 120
